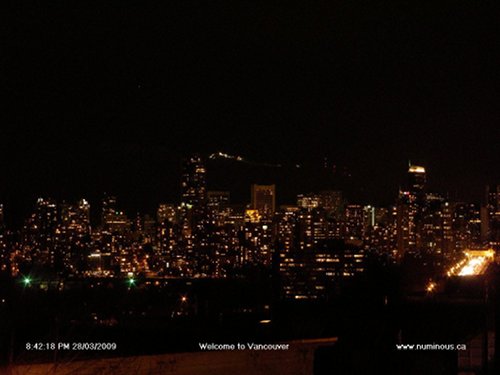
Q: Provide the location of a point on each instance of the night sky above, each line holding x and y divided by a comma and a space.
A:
109, 96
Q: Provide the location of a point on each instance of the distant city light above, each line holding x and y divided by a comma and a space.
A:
320, 232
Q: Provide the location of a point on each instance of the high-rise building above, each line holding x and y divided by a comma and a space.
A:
166, 212
193, 182
466, 226
39, 234
108, 208
410, 206
286, 228
354, 222
169, 257
193, 217
73, 236
113, 220
264, 199
490, 219
4, 253
2, 219
416, 178
218, 206
332, 202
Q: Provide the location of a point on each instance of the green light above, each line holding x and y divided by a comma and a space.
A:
131, 281
27, 281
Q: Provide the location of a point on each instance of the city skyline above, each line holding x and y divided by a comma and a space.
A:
205, 233
305, 178
322, 177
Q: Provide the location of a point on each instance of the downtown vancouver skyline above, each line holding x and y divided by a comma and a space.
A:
181, 172
206, 233
234, 173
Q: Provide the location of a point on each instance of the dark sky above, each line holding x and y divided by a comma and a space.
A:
110, 95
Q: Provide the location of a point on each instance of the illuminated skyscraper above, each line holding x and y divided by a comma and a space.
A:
218, 206
409, 209
168, 235
264, 199
286, 228
4, 253
466, 226
39, 233
333, 202
416, 178
166, 212
73, 236
113, 220
354, 222
76, 215
193, 216
193, 182
490, 218
2, 221
108, 208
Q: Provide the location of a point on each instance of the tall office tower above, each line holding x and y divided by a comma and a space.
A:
448, 244
332, 202
410, 206
491, 216
108, 208
193, 216
73, 236
416, 178
76, 214
354, 222
4, 253
166, 212
405, 230
256, 243
83, 212
434, 225
264, 199
168, 254
381, 235
286, 229
218, 207
312, 225
39, 233
113, 220
2, 219
416, 188
193, 182
466, 226
305, 230
118, 222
